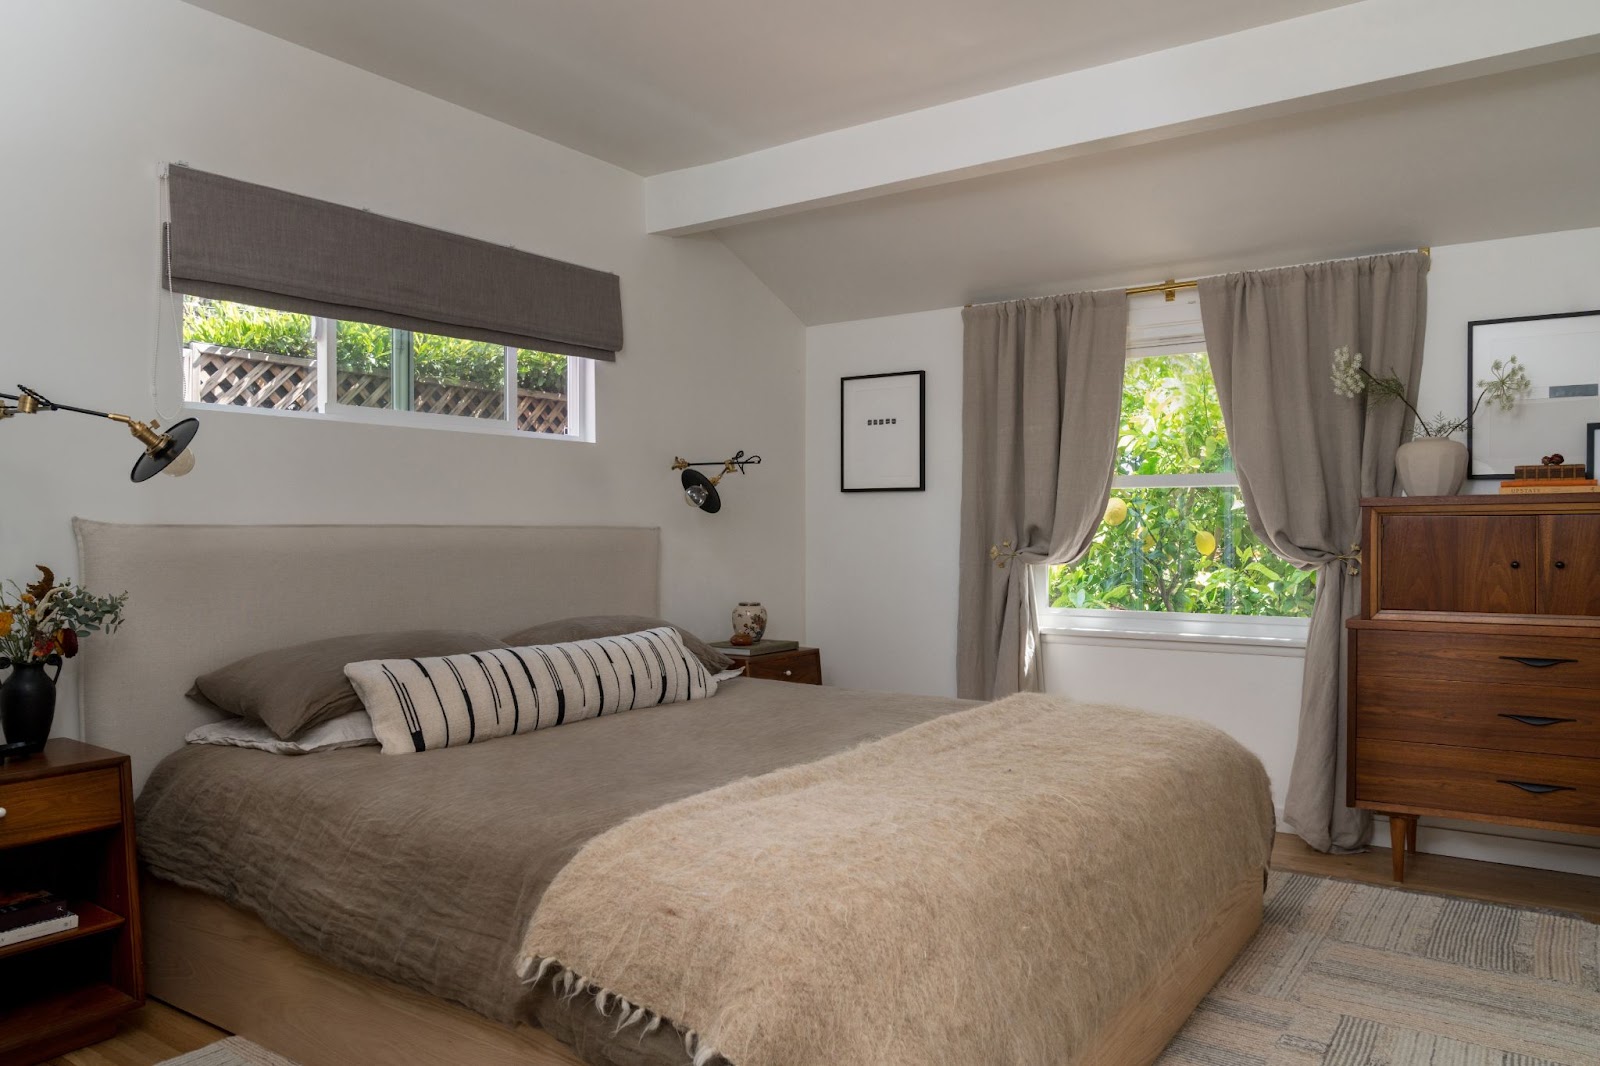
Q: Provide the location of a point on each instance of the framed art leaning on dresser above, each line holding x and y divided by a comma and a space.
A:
1475, 663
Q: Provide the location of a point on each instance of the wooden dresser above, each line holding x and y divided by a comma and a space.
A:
1475, 663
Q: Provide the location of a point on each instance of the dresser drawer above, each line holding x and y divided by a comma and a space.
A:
1550, 789
1564, 662
803, 667
1557, 721
60, 806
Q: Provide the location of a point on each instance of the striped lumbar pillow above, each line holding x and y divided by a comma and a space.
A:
449, 700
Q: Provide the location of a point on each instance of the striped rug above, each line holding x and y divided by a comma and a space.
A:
1357, 975
234, 1051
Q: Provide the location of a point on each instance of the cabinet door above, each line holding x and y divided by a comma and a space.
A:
1483, 564
1569, 564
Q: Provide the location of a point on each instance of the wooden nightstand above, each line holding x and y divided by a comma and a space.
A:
803, 666
66, 825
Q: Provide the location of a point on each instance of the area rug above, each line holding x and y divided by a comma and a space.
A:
1357, 975
234, 1051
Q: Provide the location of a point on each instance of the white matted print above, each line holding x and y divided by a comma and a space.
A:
881, 434
1561, 354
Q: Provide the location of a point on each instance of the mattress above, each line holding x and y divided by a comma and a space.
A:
426, 869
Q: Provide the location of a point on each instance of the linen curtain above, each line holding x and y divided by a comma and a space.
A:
1305, 457
1042, 387
232, 240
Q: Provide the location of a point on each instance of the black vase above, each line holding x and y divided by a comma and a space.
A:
28, 703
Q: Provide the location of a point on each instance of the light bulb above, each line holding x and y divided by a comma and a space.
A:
181, 465
695, 495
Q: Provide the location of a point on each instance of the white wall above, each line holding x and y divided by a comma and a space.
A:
881, 569
1543, 274
96, 94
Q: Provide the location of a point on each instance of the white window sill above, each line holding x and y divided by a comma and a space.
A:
1182, 632
384, 417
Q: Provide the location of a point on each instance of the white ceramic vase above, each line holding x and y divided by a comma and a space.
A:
750, 620
1431, 466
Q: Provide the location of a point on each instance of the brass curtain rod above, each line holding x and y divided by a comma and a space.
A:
1171, 287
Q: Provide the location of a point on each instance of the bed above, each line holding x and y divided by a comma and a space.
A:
250, 922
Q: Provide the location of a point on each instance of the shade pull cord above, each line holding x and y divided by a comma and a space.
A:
164, 297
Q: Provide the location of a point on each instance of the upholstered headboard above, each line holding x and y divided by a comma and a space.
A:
202, 596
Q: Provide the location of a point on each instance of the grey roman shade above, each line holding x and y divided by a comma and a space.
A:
232, 240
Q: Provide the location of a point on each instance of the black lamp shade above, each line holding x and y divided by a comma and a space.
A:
181, 434
695, 480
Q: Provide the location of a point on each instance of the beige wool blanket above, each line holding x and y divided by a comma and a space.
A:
987, 887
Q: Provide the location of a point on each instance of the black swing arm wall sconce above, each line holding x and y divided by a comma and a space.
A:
167, 451
701, 491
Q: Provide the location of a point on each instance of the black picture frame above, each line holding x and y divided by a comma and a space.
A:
845, 450
1474, 373
1593, 433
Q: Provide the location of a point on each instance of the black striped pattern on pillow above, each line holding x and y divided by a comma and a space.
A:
446, 701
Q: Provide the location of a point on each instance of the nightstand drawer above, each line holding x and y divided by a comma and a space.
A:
803, 666
59, 806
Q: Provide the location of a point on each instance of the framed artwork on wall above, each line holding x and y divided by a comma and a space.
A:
1561, 354
882, 436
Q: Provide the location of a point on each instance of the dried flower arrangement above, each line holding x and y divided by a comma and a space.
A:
1506, 383
46, 619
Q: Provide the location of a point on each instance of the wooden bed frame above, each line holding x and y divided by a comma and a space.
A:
224, 966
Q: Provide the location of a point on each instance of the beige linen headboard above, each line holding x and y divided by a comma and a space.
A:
202, 596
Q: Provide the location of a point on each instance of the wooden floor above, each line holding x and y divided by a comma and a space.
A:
158, 1032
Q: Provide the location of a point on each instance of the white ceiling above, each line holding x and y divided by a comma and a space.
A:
655, 85
1460, 152
1494, 157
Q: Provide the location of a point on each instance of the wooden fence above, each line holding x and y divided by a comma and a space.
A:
240, 378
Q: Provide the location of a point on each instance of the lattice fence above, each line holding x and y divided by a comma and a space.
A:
242, 378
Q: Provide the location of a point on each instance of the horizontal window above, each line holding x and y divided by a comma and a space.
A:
236, 355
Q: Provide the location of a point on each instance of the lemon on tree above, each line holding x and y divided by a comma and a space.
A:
1116, 511
1204, 542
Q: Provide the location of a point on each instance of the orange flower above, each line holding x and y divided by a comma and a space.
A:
7, 619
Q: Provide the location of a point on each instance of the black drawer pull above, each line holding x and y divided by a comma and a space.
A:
1534, 719
1532, 660
1536, 788
1560, 565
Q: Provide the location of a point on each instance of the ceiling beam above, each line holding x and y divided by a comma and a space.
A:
1361, 50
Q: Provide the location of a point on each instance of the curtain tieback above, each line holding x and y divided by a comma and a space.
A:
1004, 553
1351, 560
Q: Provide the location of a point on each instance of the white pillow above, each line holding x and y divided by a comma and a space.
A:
450, 700
353, 730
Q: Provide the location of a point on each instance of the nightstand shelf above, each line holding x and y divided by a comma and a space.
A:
92, 919
67, 827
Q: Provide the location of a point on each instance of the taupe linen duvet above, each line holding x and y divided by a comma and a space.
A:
425, 870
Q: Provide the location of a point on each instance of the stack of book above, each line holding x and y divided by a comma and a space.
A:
1549, 477
29, 915
760, 647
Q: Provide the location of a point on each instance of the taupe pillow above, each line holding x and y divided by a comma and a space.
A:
589, 627
289, 690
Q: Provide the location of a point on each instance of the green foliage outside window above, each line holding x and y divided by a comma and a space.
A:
1178, 549
366, 349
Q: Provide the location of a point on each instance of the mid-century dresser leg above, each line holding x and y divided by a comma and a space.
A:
1397, 844
1411, 833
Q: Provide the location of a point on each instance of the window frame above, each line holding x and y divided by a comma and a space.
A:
1156, 327
580, 395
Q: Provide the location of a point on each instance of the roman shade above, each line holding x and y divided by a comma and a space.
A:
233, 240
